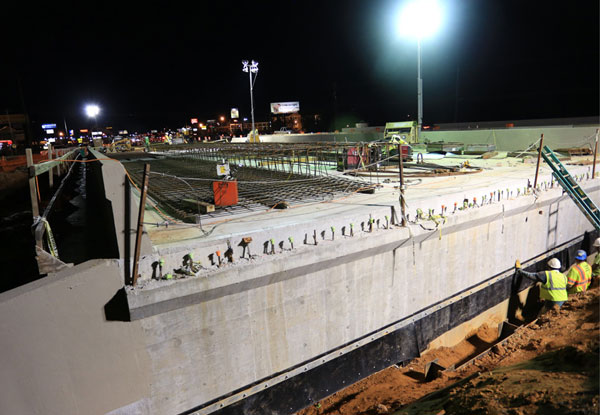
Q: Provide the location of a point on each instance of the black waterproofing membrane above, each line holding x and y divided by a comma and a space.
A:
402, 345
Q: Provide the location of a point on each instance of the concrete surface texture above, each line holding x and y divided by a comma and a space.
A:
264, 317
60, 355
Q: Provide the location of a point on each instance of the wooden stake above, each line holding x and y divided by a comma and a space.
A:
140, 228
537, 169
35, 210
595, 152
50, 172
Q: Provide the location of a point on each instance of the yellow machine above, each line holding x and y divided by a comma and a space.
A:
120, 144
406, 131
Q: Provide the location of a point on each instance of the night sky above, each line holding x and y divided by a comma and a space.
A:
158, 65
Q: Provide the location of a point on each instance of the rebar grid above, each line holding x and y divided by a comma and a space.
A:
267, 176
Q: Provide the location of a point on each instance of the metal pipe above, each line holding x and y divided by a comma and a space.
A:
401, 174
140, 228
537, 169
419, 90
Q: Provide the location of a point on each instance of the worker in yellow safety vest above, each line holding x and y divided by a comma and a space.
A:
580, 274
554, 283
596, 264
397, 140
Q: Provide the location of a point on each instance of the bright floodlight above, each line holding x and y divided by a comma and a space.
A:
420, 18
92, 110
253, 67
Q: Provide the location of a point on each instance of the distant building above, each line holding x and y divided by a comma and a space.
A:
12, 127
292, 121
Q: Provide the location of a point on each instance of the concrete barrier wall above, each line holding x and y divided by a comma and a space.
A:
209, 336
120, 208
514, 139
505, 139
61, 356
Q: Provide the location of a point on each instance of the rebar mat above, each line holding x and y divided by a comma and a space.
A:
262, 183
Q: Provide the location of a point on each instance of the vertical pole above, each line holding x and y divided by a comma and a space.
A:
401, 173
595, 152
251, 103
419, 91
50, 172
67, 135
537, 169
35, 210
140, 228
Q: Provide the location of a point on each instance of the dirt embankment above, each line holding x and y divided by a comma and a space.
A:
547, 367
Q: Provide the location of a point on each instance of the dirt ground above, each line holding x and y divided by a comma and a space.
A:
549, 366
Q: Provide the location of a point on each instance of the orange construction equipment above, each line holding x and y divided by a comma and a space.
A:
226, 193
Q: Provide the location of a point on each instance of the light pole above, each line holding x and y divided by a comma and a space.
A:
420, 19
251, 69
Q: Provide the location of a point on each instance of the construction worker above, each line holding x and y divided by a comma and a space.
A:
580, 274
554, 283
596, 264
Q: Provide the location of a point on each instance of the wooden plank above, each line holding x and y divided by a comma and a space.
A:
46, 166
50, 172
199, 205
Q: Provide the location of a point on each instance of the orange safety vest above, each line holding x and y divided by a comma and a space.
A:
578, 278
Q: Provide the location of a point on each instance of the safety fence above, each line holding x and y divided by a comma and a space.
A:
61, 164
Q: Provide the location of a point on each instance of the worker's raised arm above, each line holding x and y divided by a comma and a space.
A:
534, 276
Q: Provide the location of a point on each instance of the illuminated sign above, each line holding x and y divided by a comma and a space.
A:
235, 113
96, 133
83, 131
50, 131
71, 132
194, 120
48, 126
123, 132
285, 107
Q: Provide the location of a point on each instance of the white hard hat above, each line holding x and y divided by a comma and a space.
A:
597, 242
554, 263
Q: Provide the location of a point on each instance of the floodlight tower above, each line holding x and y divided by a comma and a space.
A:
420, 19
251, 68
92, 111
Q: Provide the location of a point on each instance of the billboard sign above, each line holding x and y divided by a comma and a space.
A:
194, 120
48, 126
235, 113
285, 107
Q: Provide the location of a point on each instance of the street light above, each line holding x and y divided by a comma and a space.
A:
251, 69
420, 19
